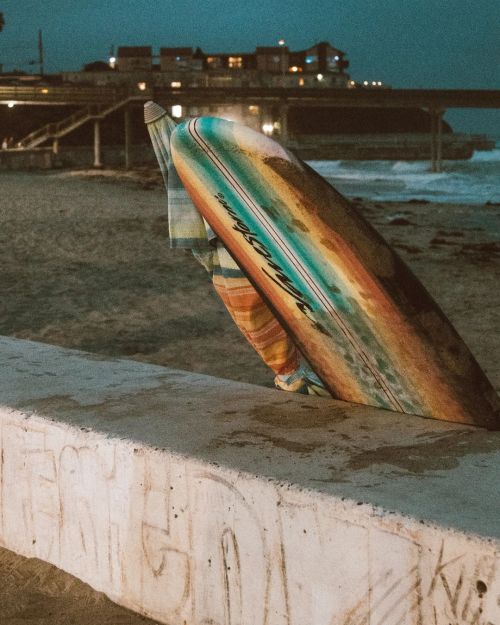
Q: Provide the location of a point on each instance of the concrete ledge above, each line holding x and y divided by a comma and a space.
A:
201, 501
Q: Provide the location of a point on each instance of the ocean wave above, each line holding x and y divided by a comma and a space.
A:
475, 181
413, 166
482, 156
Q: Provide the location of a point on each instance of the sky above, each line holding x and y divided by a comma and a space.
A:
404, 43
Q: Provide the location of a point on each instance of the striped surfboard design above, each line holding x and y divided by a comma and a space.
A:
359, 316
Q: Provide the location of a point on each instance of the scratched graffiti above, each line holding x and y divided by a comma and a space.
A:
188, 544
230, 548
156, 564
464, 588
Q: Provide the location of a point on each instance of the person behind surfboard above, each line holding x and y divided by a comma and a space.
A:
188, 230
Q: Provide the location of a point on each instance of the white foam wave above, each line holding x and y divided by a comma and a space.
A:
482, 156
414, 166
474, 181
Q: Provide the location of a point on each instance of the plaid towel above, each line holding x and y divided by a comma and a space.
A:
187, 228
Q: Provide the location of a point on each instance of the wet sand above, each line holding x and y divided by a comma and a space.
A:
84, 263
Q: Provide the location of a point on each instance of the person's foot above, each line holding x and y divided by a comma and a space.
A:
303, 380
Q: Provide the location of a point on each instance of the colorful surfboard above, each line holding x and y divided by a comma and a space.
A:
360, 317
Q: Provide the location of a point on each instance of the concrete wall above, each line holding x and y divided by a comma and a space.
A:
348, 147
74, 156
38, 158
201, 501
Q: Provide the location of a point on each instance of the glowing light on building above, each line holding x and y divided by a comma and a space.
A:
267, 128
365, 82
301, 82
176, 110
294, 69
141, 86
175, 84
281, 42
319, 77
112, 62
11, 105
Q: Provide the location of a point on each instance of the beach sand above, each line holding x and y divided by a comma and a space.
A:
84, 263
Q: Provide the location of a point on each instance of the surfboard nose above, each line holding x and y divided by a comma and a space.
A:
153, 112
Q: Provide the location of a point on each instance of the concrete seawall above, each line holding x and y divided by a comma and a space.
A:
410, 147
200, 501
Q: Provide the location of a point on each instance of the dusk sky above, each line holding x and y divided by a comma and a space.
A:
405, 43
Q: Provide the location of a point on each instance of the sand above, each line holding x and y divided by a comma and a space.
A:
36, 593
84, 263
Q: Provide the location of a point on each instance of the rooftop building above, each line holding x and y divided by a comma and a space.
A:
321, 65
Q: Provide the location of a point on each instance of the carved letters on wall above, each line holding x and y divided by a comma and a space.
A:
185, 543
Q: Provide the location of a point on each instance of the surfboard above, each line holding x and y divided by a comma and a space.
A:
363, 321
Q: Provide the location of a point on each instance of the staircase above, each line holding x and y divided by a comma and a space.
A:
59, 129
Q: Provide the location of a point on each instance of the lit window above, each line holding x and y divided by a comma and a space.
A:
336, 58
175, 84
253, 109
214, 61
268, 128
177, 110
301, 82
295, 69
235, 62
177, 58
312, 58
141, 86
319, 77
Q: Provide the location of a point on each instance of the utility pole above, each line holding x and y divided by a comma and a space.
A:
40, 52
282, 44
2, 24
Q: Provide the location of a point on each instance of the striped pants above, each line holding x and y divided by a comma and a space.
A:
251, 314
258, 324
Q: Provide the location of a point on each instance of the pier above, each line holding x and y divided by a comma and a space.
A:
98, 102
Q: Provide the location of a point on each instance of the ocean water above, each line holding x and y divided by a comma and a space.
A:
475, 181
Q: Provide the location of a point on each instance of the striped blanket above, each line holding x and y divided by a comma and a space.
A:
189, 230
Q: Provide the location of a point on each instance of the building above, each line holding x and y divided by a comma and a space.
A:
321, 65
134, 59
136, 69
